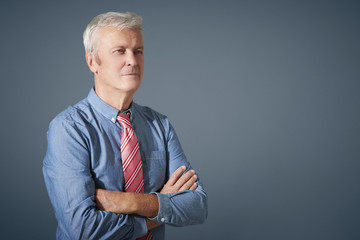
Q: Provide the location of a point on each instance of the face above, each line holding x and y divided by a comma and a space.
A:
119, 63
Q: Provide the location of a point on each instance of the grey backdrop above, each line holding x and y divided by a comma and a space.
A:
264, 96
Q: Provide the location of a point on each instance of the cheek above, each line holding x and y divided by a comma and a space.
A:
115, 63
141, 65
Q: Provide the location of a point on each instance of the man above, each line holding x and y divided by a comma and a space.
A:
93, 144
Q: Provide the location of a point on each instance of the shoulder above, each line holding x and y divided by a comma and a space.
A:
155, 118
149, 113
72, 116
67, 135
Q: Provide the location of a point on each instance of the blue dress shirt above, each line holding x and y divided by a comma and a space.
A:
84, 154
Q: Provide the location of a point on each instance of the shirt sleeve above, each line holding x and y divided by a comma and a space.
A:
185, 207
71, 188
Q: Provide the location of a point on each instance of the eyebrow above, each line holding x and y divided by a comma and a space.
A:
121, 46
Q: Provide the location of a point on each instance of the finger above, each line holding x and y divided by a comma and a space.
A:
184, 178
193, 187
188, 184
175, 176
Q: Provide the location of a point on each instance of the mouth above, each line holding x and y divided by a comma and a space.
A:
131, 74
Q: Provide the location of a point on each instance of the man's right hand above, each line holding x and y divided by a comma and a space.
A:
180, 182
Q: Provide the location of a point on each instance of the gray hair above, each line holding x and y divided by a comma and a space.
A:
109, 19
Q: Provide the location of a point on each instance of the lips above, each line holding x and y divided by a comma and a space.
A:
130, 71
131, 74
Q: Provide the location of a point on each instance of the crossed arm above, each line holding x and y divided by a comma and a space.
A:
71, 179
144, 204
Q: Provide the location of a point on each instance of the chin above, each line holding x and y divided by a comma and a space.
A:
130, 88
131, 83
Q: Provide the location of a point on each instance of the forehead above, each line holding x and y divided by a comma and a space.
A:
126, 37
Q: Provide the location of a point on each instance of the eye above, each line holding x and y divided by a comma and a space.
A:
120, 51
139, 52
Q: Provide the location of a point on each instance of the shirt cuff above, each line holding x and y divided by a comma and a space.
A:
140, 227
165, 210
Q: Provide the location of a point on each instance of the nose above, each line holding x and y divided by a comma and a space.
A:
131, 59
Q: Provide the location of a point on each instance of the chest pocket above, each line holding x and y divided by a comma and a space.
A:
154, 164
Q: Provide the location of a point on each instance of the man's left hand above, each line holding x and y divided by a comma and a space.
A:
144, 204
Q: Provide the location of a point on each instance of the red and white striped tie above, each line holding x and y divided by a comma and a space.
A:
131, 160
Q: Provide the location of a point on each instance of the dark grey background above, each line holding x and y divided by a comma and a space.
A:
264, 96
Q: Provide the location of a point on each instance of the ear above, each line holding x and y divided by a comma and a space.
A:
90, 60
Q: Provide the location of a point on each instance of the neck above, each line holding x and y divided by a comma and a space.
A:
116, 99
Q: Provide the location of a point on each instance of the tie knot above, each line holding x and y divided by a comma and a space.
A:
124, 119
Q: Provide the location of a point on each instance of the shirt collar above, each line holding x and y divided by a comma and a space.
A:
105, 109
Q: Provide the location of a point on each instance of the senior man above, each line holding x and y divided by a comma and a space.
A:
115, 169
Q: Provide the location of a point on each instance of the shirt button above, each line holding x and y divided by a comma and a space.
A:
162, 219
113, 119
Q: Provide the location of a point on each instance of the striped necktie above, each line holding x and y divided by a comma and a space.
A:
131, 160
